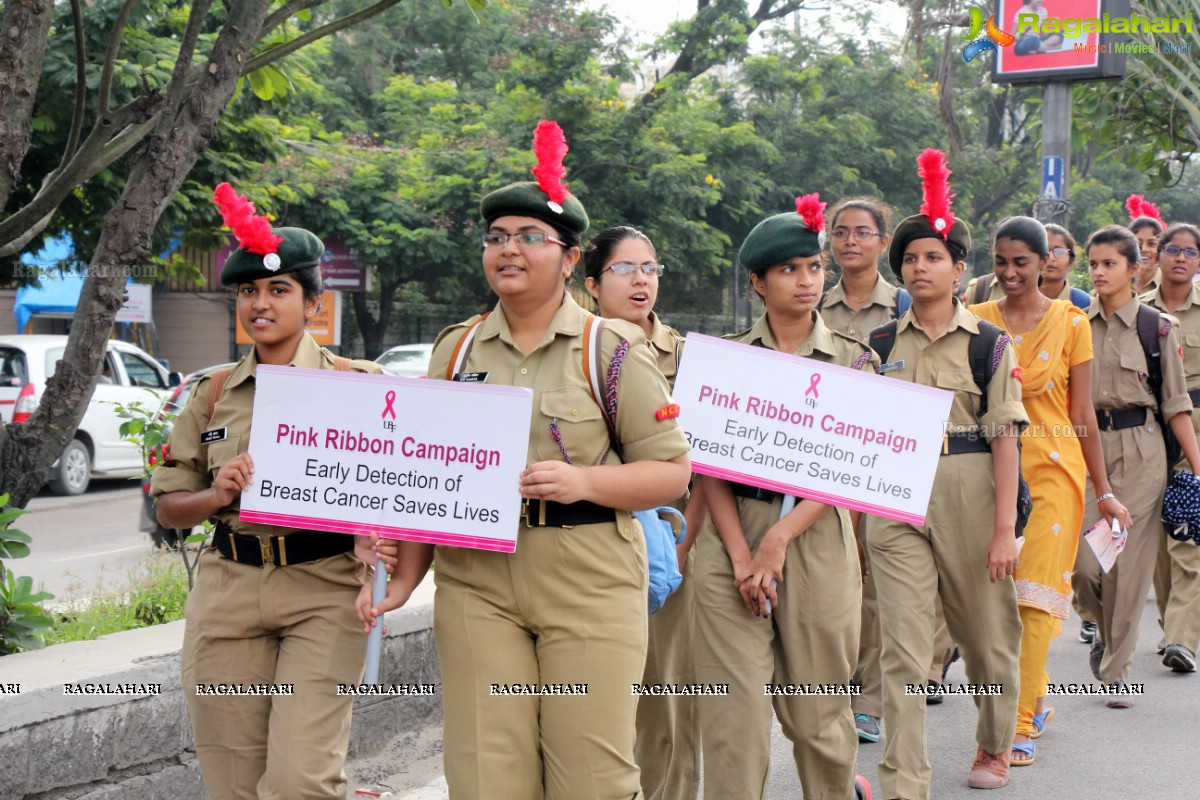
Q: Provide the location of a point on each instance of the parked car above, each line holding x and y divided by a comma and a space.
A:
175, 402
407, 360
129, 375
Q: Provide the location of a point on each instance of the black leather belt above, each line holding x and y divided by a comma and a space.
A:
295, 548
956, 444
1122, 418
549, 514
753, 492
1195, 395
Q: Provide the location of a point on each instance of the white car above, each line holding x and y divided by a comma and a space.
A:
129, 374
407, 360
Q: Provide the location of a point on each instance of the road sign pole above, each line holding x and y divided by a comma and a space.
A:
1056, 143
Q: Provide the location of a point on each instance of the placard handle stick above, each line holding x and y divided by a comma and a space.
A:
789, 502
375, 637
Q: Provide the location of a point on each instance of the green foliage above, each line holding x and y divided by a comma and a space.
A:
23, 621
146, 428
157, 593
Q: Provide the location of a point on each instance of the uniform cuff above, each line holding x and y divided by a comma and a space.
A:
174, 479
1175, 405
661, 447
1006, 413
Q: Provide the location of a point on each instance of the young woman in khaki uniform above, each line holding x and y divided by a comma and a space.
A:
623, 273
858, 303
569, 607
291, 619
1177, 574
966, 550
1133, 449
1147, 225
805, 564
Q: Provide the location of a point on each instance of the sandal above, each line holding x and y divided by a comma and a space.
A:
1022, 755
1039, 722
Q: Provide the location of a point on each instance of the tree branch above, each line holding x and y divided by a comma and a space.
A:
178, 85
287, 48
80, 83
766, 13
110, 55
25, 25
288, 11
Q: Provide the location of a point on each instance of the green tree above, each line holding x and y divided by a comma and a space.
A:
157, 91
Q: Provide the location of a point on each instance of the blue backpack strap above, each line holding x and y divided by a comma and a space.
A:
903, 302
1080, 298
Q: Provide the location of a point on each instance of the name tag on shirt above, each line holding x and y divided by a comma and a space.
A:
891, 366
471, 377
215, 435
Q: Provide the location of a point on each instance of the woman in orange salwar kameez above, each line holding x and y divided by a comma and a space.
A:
1054, 346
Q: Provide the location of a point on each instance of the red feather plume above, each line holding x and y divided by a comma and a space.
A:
935, 188
252, 232
550, 145
812, 211
1137, 206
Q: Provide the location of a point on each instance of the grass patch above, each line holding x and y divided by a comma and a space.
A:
158, 590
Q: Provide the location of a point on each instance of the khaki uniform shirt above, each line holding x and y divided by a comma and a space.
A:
879, 310
823, 344
664, 344
944, 363
1188, 316
562, 398
1120, 378
193, 466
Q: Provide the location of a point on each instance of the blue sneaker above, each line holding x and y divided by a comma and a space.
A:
867, 727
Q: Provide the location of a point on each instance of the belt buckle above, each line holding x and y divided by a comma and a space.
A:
229, 537
524, 515
946, 445
268, 553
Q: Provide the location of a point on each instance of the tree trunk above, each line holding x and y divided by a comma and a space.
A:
374, 330
155, 174
24, 28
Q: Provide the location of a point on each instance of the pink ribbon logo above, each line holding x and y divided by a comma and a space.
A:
812, 385
390, 408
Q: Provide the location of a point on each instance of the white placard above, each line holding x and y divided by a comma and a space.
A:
428, 461
804, 427
138, 304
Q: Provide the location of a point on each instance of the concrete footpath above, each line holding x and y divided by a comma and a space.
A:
1088, 750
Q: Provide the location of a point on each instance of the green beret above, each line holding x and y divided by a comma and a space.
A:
918, 227
778, 238
526, 199
298, 250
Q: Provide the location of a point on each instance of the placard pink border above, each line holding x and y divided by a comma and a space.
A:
387, 531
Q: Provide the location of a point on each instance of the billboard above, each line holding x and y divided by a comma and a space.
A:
1061, 40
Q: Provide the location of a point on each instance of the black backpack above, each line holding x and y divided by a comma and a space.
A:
982, 355
1149, 323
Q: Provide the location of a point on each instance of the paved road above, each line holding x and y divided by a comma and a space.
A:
83, 542
1088, 750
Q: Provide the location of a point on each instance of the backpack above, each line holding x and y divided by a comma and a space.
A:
660, 532
982, 354
1149, 323
1080, 299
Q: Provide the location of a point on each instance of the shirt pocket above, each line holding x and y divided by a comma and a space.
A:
220, 452
967, 397
570, 420
1133, 384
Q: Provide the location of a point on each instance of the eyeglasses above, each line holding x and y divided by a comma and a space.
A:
527, 239
624, 269
859, 234
1188, 252
1061, 252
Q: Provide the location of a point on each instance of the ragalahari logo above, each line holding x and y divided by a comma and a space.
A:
990, 38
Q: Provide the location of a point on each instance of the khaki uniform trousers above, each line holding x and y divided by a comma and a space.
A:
811, 637
568, 607
944, 558
1177, 587
273, 625
869, 675
1136, 459
668, 726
